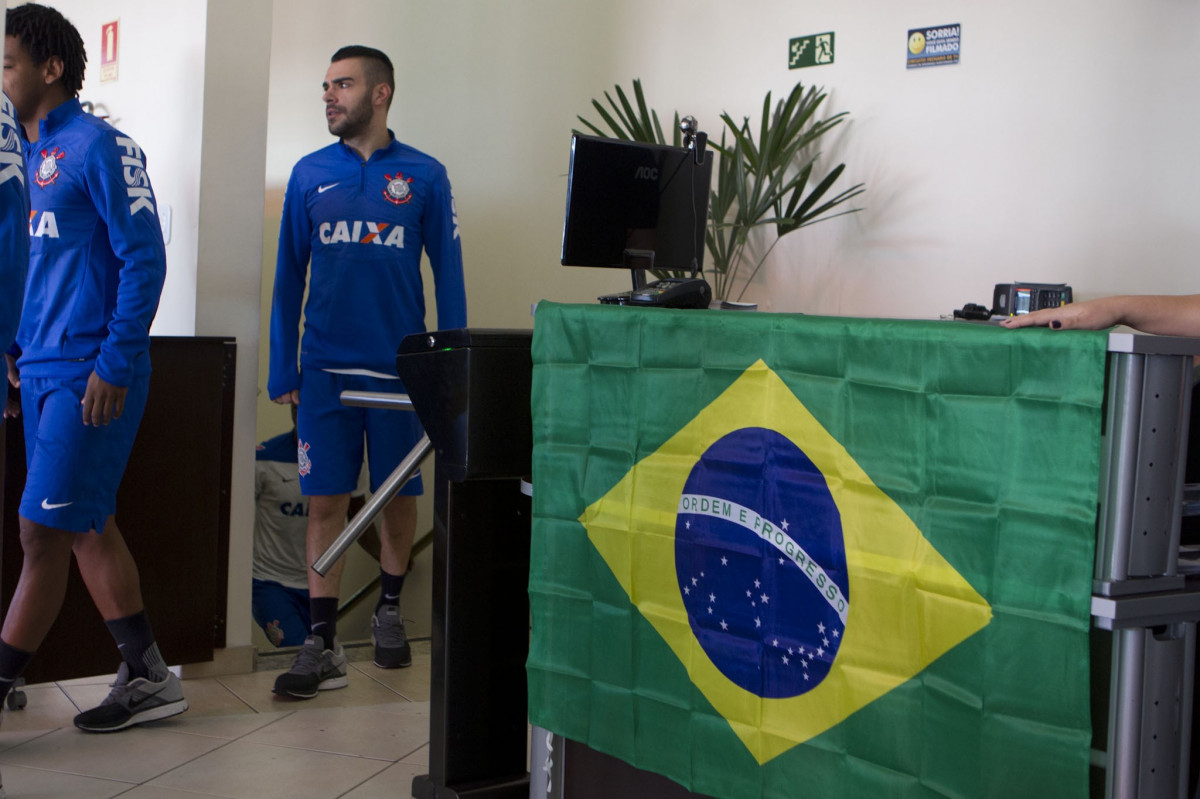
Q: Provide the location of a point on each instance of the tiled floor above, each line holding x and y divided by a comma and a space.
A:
237, 741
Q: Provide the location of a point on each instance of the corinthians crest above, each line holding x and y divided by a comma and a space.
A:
397, 191
302, 458
47, 172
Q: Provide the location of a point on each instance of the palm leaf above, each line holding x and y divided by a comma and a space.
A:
764, 175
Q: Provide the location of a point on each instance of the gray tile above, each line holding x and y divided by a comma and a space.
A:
13, 738
210, 697
395, 780
366, 732
28, 782
227, 727
411, 683
419, 757
156, 792
255, 771
135, 755
47, 707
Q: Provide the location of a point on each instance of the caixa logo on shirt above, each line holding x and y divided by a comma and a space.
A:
360, 232
46, 227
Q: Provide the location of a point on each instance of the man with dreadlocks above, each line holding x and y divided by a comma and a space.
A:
96, 269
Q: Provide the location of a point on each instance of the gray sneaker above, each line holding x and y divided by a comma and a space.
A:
391, 643
133, 702
315, 669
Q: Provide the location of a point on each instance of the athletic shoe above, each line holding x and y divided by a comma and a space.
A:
391, 644
315, 669
134, 702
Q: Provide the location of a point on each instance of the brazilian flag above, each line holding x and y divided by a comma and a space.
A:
782, 556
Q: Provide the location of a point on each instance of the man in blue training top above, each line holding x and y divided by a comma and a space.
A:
96, 269
356, 216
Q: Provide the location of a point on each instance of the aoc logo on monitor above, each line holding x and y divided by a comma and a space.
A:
646, 173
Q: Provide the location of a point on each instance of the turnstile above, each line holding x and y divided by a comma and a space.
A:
470, 389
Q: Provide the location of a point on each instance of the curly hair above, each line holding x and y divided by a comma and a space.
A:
44, 32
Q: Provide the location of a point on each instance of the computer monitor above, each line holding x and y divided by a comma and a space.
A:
633, 205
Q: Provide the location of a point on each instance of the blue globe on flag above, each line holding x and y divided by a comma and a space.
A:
760, 560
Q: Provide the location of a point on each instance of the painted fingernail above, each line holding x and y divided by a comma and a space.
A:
1056, 324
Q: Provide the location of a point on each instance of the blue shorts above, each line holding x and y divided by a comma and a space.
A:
281, 612
74, 469
330, 435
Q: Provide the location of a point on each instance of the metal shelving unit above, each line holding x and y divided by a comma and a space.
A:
1141, 595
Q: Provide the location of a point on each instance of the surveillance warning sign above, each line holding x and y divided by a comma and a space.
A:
934, 47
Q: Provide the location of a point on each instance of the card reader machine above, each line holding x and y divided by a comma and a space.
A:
1014, 299
671, 292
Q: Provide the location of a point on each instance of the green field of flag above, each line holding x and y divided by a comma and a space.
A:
778, 555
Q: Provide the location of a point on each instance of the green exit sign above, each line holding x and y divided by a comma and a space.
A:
810, 51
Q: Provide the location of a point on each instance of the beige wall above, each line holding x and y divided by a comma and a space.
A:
168, 128
1060, 149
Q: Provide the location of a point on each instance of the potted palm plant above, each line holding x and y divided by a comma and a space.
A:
764, 176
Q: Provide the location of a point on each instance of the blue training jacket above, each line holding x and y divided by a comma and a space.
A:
97, 259
14, 223
362, 225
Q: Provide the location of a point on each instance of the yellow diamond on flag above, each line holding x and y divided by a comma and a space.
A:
844, 598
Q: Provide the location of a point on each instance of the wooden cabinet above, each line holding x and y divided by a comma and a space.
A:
173, 509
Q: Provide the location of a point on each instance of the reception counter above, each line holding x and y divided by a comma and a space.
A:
987, 519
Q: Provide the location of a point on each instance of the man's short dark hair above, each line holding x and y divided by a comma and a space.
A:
44, 32
377, 67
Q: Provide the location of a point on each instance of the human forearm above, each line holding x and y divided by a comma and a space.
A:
1167, 315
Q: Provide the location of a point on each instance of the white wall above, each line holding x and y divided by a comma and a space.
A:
157, 100
1060, 149
233, 156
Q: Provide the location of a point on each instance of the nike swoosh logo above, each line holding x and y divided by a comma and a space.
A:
326, 187
47, 506
136, 701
